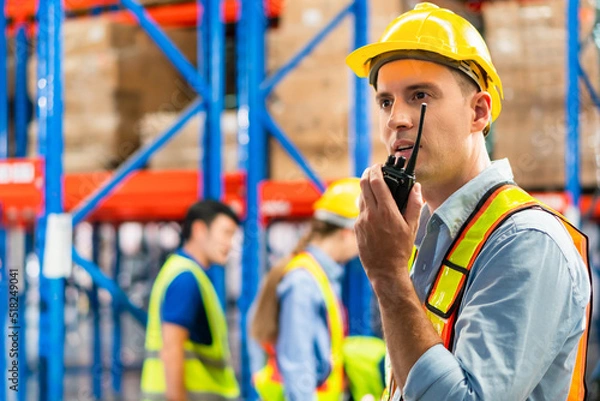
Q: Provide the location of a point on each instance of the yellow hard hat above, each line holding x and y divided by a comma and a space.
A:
339, 203
431, 33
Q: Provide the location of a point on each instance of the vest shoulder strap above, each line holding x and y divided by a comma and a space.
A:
501, 202
336, 323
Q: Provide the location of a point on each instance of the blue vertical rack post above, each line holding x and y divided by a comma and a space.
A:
241, 52
572, 107
3, 155
259, 121
50, 142
3, 85
20, 135
359, 304
212, 182
21, 99
253, 21
42, 96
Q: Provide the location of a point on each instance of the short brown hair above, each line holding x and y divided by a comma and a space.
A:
467, 85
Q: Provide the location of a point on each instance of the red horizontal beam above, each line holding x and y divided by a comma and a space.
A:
148, 195
21, 189
179, 14
287, 199
166, 195
145, 196
182, 15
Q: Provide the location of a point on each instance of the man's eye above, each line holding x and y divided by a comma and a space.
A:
420, 95
385, 103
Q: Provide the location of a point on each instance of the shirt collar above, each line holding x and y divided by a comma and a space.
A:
332, 269
458, 207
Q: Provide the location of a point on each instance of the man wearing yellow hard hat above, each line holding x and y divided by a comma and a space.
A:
495, 302
298, 318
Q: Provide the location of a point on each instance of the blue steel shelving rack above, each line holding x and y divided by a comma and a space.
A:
254, 117
254, 121
50, 16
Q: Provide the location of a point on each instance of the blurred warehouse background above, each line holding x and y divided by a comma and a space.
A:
89, 89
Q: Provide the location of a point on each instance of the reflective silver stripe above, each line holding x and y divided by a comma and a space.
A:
215, 363
190, 397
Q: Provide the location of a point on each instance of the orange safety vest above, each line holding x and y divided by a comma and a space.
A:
268, 381
446, 293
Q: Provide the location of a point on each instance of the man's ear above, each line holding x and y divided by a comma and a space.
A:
199, 230
481, 103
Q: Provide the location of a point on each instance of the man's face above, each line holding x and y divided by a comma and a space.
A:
218, 239
402, 86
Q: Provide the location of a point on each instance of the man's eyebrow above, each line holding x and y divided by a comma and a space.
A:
423, 85
381, 95
430, 86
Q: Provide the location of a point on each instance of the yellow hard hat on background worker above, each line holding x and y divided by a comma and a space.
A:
431, 33
338, 205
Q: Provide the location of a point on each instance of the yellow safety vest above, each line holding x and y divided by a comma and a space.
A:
363, 362
446, 293
208, 374
268, 381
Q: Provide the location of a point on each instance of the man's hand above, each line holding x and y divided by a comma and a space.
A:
385, 237
385, 242
172, 355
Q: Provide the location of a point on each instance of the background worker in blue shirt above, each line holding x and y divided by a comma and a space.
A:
506, 324
295, 319
187, 355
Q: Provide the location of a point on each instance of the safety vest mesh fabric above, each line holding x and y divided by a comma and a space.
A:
363, 356
268, 381
208, 374
446, 293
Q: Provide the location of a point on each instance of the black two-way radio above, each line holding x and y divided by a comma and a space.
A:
400, 180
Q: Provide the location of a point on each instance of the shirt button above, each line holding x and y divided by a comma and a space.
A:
424, 267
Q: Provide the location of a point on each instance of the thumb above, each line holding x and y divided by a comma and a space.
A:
414, 205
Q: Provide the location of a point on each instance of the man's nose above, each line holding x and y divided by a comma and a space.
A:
399, 118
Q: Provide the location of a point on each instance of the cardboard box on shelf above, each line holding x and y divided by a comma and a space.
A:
108, 86
88, 133
311, 105
528, 46
92, 34
162, 87
184, 151
534, 141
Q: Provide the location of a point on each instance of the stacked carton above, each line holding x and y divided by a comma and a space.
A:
528, 45
312, 104
113, 75
184, 150
100, 103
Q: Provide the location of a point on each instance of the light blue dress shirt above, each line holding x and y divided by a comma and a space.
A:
523, 310
303, 346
